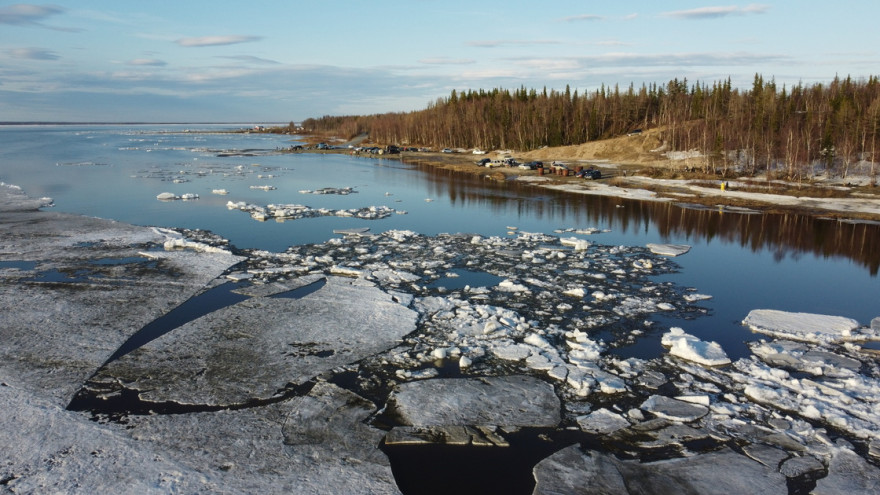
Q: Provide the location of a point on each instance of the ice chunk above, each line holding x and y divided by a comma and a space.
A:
577, 244
255, 348
513, 352
674, 409
166, 196
515, 401
849, 473
805, 327
688, 347
668, 249
572, 470
602, 421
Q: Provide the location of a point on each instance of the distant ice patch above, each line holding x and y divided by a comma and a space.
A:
668, 249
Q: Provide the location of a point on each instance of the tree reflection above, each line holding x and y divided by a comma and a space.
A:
783, 234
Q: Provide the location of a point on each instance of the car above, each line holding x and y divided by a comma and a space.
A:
483, 162
479, 152
590, 173
446, 150
531, 165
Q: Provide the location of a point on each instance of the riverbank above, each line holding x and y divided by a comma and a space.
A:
636, 167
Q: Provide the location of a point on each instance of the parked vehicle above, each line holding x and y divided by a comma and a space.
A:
531, 165
590, 173
483, 162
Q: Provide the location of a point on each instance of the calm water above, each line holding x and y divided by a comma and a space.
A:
786, 262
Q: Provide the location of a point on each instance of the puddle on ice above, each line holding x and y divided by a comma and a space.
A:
18, 265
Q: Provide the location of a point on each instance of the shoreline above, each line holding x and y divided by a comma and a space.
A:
841, 201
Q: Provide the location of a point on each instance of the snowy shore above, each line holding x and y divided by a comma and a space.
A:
331, 350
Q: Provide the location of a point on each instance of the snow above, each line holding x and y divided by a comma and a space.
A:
806, 327
686, 346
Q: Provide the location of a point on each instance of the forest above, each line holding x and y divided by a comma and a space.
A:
788, 132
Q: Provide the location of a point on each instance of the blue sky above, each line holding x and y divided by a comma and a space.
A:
274, 61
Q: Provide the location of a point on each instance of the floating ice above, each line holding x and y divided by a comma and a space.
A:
674, 409
212, 360
688, 347
167, 196
602, 421
572, 470
806, 327
668, 249
282, 212
330, 190
516, 401
577, 244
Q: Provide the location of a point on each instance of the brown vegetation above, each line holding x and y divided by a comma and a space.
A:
785, 131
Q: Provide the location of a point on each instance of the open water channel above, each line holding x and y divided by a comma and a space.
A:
744, 261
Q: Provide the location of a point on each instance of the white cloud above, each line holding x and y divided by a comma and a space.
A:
583, 17
216, 40
250, 59
447, 61
32, 54
147, 61
27, 15
497, 43
719, 11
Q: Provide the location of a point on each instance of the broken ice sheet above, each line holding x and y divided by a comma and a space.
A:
254, 349
573, 471
504, 400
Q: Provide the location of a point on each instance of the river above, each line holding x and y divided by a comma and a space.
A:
788, 262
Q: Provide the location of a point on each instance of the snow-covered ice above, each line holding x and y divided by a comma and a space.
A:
807, 327
668, 249
688, 347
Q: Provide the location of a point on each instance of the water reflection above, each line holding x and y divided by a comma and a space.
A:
783, 234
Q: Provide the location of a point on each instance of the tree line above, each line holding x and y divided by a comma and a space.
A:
784, 130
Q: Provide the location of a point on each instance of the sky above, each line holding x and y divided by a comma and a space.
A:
280, 61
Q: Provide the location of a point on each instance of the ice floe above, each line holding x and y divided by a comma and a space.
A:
688, 347
668, 249
516, 401
167, 196
285, 212
807, 327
